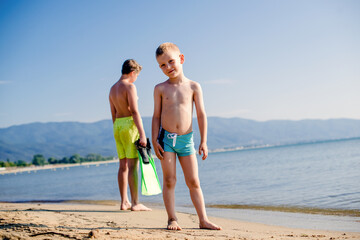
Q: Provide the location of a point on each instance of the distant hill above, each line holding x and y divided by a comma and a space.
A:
60, 139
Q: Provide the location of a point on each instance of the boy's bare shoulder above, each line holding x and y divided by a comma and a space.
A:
194, 85
161, 86
127, 86
121, 87
114, 88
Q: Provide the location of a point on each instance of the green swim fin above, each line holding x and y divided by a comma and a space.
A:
150, 184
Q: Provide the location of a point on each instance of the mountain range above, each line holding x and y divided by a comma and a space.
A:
63, 139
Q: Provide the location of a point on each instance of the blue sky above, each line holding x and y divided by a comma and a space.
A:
260, 60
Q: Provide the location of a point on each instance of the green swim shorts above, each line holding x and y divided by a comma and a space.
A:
125, 134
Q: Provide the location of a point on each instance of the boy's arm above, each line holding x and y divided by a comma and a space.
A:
156, 122
133, 106
113, 110
202, 120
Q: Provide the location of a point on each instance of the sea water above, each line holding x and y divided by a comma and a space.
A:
321, 175
312, 175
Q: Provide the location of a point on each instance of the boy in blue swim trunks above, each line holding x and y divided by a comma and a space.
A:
172, 132
128, 128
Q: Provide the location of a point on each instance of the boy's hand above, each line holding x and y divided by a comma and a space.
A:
143, 141
158, 150
203, 149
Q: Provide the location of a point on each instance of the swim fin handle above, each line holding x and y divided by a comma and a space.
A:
144, 152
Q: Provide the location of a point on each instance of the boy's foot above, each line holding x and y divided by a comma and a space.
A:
125, 206
140, 207
209, 225
173, 225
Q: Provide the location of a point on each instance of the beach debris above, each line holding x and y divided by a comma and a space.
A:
111, 224
53, 233
94, 233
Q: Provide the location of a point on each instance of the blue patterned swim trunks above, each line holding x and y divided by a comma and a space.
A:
182, 145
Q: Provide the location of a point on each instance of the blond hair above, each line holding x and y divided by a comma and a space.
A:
164, 47
129, 66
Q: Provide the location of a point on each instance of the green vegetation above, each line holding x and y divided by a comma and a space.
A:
76, 158
40, 160
19, 163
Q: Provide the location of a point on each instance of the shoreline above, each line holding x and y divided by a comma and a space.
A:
355, 213
16, 170
291, 209
254, 147
105, 221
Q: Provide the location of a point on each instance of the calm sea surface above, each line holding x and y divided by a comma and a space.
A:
321, 175
316, 175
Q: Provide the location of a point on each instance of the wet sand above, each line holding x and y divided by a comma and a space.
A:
106, 221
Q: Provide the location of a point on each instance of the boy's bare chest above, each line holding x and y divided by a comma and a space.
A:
178, 95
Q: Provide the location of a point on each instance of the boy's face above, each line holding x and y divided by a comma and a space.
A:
171, 62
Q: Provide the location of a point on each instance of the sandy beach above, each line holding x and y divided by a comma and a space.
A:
105, 221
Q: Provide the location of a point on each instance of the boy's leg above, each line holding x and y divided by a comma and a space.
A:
168, 165
190, 169
133, 164
123, 182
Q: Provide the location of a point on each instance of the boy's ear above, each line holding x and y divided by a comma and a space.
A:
182, 58
132, 74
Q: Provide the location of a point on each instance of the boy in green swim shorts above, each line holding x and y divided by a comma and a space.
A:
173, 108
128, 128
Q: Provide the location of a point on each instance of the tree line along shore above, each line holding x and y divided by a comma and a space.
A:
40, 160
